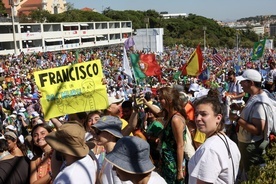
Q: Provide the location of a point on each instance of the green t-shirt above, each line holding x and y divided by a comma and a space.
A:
154, 128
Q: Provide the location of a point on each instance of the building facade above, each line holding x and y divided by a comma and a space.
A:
43, 37
27, 6
272, 30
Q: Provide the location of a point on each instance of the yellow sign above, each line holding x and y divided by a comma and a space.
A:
71, 89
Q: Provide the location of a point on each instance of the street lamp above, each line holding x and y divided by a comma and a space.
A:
146, 20
237, 41
11, 3
204, 30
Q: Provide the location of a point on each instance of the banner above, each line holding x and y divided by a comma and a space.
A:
71, 89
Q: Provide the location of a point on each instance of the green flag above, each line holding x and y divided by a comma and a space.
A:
258, 49
138, 73
176, 75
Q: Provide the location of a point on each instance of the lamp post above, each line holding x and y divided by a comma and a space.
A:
11, 3
204, 31
146, 20
237, 41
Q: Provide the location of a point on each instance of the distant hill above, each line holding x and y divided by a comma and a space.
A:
187, 31
259, 18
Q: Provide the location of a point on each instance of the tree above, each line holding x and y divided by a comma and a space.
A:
2, 8
23, 18
70, 6
39, 15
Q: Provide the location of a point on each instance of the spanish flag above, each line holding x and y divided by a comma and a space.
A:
194, 65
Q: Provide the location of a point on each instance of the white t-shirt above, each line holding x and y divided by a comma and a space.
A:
252, 111
107, 175
82, 171
155, 178
211, 162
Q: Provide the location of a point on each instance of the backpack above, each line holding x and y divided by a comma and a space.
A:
270, 126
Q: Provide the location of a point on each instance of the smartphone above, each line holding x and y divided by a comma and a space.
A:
139, 101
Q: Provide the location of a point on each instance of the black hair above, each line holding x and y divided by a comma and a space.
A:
81, 115
21, 146
216, 105
258, 84
127, 104
148, 96
231, 72
3, 145
37, 150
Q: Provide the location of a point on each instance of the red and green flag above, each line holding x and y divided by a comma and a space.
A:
145, 65
138, 73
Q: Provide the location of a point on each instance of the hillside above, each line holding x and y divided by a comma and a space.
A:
187, 31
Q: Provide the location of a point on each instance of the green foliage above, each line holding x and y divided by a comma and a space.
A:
264, 175
24, 18
2, 8
39, 15
78, 16
187, 31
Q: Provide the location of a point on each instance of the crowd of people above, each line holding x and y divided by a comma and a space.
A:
179, 130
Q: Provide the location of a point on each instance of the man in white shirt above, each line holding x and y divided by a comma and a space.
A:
78, 165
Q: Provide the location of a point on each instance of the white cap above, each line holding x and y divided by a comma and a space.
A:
2, 136
11, 127
250, 74
113, 100
194, 87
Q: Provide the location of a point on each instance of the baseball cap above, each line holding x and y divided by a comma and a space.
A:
250, 74
113, 100
194, 87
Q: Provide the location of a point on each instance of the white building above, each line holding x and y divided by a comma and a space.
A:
149, 39
35, 37
174, 15
259, 30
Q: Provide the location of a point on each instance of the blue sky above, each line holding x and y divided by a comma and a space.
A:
217, 9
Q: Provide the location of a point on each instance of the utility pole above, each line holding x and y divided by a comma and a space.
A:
11, 3
237, 41
204, 31
146, 20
